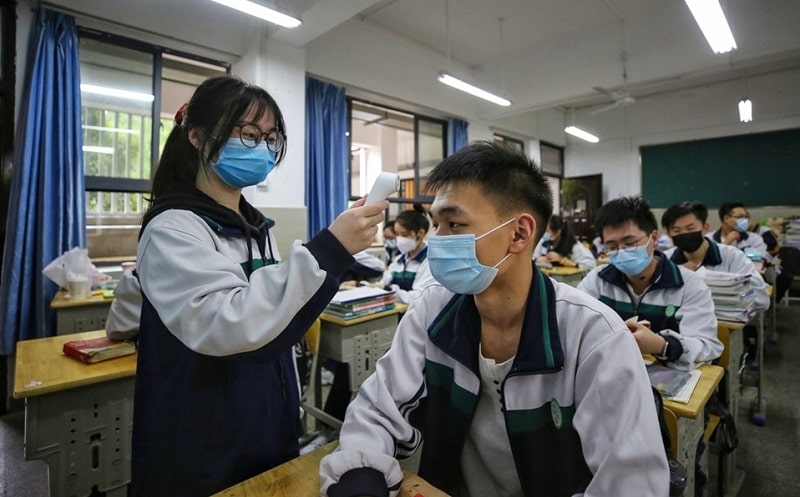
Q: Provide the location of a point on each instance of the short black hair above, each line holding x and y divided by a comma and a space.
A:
413, 220
677, 211
727, 208
511, 180
617, 212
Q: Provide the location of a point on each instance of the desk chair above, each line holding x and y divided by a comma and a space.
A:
313, 390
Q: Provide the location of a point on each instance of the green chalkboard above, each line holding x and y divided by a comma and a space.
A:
759, 170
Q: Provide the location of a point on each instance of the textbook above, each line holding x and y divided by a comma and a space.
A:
666, 380
98, 349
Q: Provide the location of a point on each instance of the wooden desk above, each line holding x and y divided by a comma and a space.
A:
691, 421
76, 315
78, 417
570, 275
300, 478
359, 343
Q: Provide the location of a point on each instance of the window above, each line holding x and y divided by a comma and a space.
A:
386, 139
553, 167
513, 143
130, 91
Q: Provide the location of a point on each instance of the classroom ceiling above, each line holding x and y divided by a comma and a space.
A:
543, 54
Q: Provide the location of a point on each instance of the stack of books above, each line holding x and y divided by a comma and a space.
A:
358, 302
792, 237
733, 296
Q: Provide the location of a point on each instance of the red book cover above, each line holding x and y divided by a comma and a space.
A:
98, 349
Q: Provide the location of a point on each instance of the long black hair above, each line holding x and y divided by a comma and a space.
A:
215, 108
566, 239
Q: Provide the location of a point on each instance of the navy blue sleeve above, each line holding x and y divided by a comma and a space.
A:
330, 253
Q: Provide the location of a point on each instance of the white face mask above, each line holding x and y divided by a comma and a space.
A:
405, 244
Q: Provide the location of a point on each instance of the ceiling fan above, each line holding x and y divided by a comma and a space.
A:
618, 97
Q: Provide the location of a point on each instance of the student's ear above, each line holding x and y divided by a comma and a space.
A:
706, 228
196, 137
524, 233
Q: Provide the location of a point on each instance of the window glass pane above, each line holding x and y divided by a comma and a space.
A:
512, 143
431, 148
552, 159
381, 140
117, 103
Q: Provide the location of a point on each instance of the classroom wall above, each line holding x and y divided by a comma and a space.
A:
698, 113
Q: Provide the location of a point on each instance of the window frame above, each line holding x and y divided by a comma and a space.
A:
417, 198
129, 185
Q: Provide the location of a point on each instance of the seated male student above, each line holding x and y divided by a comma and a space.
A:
686, 223
676, 321
512, 384
735, 220
780, 257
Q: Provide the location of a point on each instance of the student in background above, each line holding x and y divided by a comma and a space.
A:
559, 247
216, 397
735, 220
783, 266
676, 321
508, 382
408, 273
686, 223
390, 241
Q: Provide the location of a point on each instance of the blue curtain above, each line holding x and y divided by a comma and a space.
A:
47, 202
326, 153
456, 135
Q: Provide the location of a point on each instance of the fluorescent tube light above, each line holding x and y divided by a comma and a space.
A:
579, 133
458, 84
113, 92
712, 22
745, 110
261, 12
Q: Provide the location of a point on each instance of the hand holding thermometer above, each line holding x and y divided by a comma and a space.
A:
385, 185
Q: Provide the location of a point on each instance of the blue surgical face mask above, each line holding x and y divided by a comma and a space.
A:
742, 224
239, 166
631, 261
390, 244
454, 263
546, 237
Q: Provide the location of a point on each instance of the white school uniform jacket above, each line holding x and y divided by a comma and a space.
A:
728, 259
580, 254
678, 305
408, 276
577, 403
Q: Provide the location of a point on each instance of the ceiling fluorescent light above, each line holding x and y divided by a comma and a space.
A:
450, 80
579, 133
712, 22
113, 92
261, 12
745, 110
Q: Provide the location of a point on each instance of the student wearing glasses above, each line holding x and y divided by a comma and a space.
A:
676, 321
735, 221
216, 398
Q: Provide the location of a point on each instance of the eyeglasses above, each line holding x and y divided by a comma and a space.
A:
609, 249
251, 136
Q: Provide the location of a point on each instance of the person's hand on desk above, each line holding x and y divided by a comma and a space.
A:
562, 260
649, 342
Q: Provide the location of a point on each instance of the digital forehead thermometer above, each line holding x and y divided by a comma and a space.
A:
385, 185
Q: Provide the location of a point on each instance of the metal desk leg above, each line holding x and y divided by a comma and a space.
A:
690, 432
84, 436
758, 407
